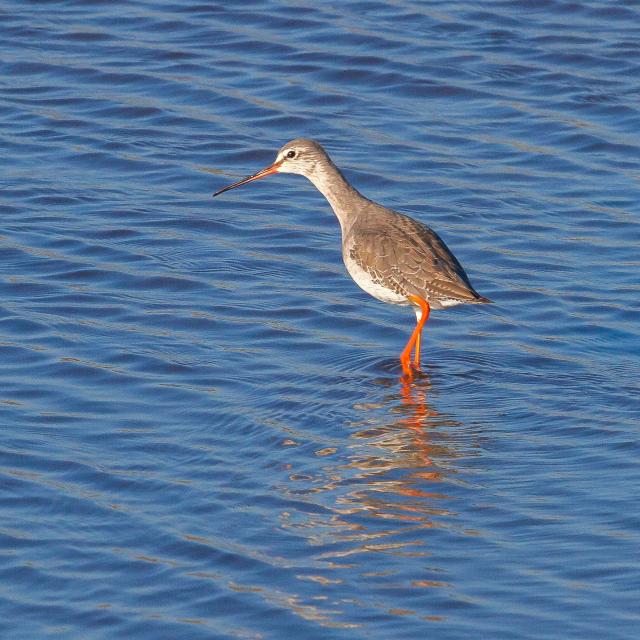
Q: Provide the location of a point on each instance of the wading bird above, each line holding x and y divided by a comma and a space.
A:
391, 256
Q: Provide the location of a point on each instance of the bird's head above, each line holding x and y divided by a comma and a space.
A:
299, 156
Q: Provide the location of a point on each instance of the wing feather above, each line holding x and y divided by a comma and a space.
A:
409, 258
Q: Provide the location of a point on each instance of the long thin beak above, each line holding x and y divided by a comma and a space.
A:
273, 168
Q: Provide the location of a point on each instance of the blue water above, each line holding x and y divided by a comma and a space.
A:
204, 433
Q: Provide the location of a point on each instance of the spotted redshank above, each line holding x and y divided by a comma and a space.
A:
391, 256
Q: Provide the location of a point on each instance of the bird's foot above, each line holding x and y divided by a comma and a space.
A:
410, 369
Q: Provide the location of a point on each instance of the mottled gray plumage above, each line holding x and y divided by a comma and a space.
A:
407, 257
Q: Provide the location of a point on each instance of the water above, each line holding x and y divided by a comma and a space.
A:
204, 431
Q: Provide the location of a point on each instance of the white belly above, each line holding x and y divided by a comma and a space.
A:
364, 280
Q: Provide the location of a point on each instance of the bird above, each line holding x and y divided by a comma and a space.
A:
390, 255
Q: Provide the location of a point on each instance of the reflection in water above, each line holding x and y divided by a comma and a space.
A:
406, 439
398, 450
385, 496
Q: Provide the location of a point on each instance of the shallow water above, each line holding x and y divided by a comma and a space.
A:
204, 430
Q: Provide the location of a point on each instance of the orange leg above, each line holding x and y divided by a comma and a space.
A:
414, 340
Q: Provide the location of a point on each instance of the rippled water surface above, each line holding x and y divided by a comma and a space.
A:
204, 432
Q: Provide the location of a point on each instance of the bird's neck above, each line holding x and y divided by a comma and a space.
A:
342, 197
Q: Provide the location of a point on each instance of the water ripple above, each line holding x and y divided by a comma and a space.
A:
205, 433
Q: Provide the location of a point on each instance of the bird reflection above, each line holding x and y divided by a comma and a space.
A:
383, 502
389, 477
409, 433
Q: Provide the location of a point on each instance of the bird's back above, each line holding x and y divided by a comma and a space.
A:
400, 256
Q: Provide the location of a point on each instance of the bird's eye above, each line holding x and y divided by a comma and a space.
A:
291, 154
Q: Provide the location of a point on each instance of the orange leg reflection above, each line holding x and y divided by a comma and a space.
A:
415, 399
